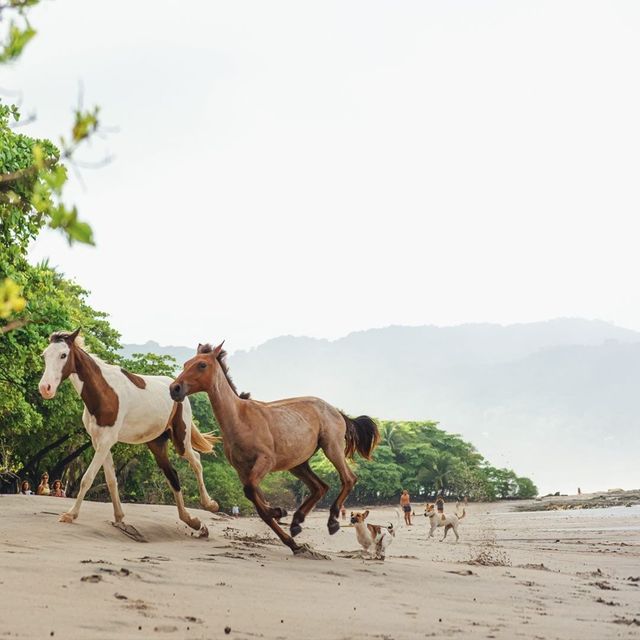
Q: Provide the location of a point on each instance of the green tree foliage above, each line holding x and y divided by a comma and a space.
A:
32, 177
46, 434
427, 461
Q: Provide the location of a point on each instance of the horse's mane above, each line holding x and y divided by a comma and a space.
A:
62, 336
207, 348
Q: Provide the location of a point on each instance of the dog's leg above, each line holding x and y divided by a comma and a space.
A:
455, 530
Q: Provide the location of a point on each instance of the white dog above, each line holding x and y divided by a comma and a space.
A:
373, 538
441, 520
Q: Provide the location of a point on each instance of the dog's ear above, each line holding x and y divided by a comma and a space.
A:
365, 514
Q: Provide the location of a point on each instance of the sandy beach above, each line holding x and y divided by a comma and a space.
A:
558, 574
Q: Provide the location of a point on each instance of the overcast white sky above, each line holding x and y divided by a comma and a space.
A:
318, 168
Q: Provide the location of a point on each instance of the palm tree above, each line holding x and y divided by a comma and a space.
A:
389, 436
442, 469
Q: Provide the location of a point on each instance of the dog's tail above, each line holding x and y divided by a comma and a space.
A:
362, 435
464, 513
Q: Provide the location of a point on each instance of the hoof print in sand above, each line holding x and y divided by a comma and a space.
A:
129, 530
94, 577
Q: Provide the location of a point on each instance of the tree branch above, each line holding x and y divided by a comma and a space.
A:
33, 462
59, 468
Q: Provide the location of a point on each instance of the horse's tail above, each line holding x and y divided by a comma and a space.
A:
203, 442
362, 435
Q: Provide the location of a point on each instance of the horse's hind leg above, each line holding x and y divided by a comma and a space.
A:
206, 500
318, 489
181, 437
334, 451
159, 449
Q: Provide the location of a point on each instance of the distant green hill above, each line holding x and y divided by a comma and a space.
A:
181, 354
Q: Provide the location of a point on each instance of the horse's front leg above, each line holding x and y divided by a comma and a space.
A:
251, 482
102, 450
112, 484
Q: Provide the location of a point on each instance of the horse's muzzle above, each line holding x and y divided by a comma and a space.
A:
177, 391
46, 391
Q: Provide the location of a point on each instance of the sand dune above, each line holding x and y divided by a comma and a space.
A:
555, 575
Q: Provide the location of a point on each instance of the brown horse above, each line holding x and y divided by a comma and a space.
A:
261, 437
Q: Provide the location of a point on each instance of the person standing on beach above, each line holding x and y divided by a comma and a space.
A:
405, 505
43, 488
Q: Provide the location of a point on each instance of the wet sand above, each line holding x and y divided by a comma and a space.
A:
559, 574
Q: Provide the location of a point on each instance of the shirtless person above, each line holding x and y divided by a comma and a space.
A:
405, 504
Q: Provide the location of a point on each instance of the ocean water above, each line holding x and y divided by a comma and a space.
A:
606, 519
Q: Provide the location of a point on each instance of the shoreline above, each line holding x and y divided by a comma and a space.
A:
596, 500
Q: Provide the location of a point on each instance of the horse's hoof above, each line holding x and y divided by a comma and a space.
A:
279, 513
67, 517
295, 529
305, 551
333, 527
203, 532
212, 506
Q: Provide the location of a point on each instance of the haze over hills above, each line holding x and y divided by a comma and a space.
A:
557, 400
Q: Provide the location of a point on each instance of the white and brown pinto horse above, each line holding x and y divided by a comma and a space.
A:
261, 437
120, 406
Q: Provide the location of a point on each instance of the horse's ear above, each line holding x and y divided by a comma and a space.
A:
73, 335
199, 349
218, 349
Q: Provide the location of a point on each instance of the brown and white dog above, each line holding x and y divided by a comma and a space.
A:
372, 537
441, 520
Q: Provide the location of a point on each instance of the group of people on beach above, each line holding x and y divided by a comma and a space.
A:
43, 489
407, 509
